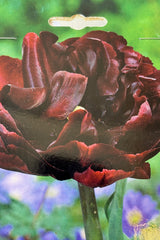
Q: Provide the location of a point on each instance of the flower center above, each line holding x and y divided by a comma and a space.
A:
134, 217
36, 129
52, 192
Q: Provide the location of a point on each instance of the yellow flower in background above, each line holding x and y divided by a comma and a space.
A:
150, 233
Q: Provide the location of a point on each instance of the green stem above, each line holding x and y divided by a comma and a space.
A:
90, 213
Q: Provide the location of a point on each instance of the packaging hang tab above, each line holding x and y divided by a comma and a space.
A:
77, 21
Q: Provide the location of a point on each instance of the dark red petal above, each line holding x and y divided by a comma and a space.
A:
94, 179
69, 41
151, 86
34, 69
143, 118
24, 98
146, 69
139, 159
88, 55
142, 172
107, 82
12, 162
55, 52
80, 125
112, 38
88, 125
17, 148
67, 92
48, 39
66, 158
10, 71
71, 129
105, 177
98, 164
139, 99
131, 57
7, 120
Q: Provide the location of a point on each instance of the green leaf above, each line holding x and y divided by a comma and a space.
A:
20, 217
115, 212
107, 206
61, 220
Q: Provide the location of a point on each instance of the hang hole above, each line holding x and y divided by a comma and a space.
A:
8, 38
77, 21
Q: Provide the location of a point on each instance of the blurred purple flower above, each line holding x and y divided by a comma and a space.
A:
138, 210
4, 197
59, 194
48, 235
20, 186
79, 235
26, 188
3, 173
5, 231
20, 238
105, 191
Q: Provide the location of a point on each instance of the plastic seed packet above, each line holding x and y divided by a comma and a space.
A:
79, 120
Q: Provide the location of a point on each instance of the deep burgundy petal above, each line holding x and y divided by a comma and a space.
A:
79, 126
7, 120
131, 59
13, 163
16, 148
107, 83
141, 120
69, 41
151, 85
146, 69
10, 71
88, 54
24, 98
67, 92
105, 177
112, 38
33, 62
100, 179
97, 164
66, 158
55, 52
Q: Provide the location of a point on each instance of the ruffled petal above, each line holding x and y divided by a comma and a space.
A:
93, 178
67, 92
66, 159
34, 64
10, 71
16, 148
89, 56
131, 60
97, 164
143, 118
100, 179
112, 38
7, 120
79, 126
55, 52
108, 82
24, 98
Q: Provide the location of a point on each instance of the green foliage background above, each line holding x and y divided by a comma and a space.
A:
132, 19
